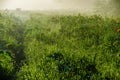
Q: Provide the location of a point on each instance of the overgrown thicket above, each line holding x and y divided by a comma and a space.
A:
59, 48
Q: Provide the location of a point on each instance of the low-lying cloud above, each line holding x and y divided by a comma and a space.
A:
48, 4
104, 7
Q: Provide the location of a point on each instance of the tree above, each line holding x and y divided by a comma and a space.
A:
116, 5
108, 7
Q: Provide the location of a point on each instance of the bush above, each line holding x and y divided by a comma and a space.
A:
6, 66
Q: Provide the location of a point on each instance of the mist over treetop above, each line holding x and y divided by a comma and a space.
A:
2, 2
103, 7
108, 7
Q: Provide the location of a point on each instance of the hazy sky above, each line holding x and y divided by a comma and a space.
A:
47, 4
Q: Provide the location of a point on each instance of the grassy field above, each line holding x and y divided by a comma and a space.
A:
34, 46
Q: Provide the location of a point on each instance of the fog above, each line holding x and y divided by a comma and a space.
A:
103, 7
47, 4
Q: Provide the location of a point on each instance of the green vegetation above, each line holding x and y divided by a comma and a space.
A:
63, 47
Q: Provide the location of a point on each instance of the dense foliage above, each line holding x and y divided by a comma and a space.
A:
45, 47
